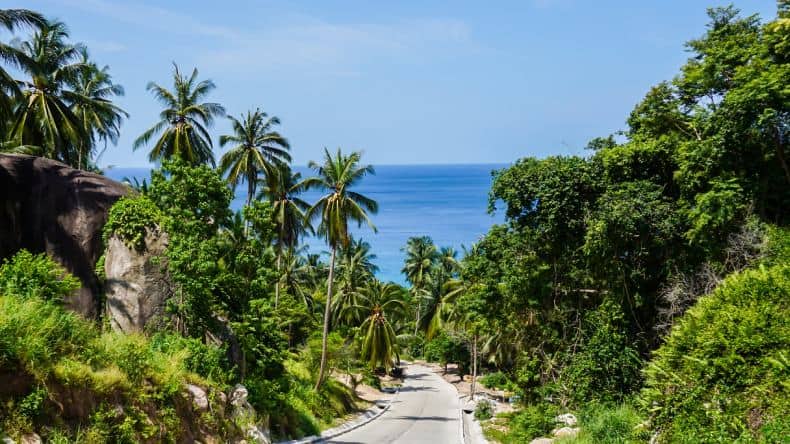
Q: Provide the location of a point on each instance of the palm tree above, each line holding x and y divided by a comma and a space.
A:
355, 270
421, 256
295, 276
282, 188
11, 19
258, 149
336, 176
44, 121
100, 118
184, 122
379, 343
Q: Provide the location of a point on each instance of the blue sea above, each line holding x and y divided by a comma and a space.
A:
446, 202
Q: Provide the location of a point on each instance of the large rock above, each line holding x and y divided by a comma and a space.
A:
45, 206
136, 285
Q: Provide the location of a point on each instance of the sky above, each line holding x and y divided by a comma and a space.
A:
406, 82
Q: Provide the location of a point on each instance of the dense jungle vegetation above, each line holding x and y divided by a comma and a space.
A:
643, 286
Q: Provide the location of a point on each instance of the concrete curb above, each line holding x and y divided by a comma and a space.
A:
364, 418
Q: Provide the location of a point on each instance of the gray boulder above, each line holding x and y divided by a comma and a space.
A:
48, 207
136, 284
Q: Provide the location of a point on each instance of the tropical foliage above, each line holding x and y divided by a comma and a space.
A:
184, 122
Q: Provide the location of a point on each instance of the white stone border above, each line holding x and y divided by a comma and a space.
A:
362, 419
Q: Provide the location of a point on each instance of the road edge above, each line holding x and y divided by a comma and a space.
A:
362, 419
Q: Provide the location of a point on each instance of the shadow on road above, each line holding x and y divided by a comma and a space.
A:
425, 418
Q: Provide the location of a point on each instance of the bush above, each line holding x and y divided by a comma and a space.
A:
534, 421
497, 380
130, 218
28, 275
608, 366
722, 373
484, 410
606, 424
445, 349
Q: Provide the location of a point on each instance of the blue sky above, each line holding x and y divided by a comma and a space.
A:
406, 81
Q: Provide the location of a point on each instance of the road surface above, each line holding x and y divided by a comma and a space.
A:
425, 411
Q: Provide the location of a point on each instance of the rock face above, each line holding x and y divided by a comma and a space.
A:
45, 206
136, 287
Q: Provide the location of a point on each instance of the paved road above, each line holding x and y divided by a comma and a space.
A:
425, 411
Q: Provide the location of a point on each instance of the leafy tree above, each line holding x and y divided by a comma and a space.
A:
185, 120
258, 149
337, 175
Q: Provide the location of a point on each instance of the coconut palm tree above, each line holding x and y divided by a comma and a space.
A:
99, 117
258, 149
12, 19
44, 122
355, 270
184, 122
282, 188
337, 175
380, 302
421, 255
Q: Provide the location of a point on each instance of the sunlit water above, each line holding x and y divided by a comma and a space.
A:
445, 202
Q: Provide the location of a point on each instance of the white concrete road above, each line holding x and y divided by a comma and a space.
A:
425, 411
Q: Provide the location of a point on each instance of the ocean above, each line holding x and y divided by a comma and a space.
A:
446, 202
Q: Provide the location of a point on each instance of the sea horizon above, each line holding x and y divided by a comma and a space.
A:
447, 202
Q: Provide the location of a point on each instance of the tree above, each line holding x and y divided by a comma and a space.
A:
421, 256
355, 271
184, 122
337, 175
99, 117
379, 342
44, 122
258, 149
12, 19
282, 188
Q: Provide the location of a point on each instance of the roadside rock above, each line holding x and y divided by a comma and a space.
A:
199, 398
136, 284
541, 441
568, 419
30, 438
245, 417
565, 432
48, 207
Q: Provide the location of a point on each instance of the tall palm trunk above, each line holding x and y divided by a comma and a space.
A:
277, 284
474, 368
250, 187
326, 319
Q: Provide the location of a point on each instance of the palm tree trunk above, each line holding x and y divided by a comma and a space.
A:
326, 319
474, 368
277, 284
417, 315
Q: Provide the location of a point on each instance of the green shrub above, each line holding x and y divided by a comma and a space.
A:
484, 410
28, 275
446, 349
130, 218
608, 366
606, 424
534, 421
497, 380
723, 372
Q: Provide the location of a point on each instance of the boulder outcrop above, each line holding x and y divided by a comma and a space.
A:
46, 206
136, 285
